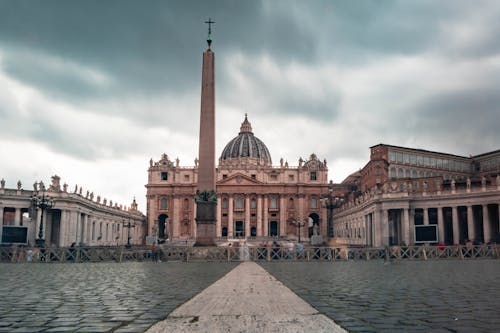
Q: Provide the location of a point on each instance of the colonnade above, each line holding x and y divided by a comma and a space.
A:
395, 223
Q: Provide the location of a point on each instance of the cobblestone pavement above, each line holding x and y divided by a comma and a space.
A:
405, 296
98, 297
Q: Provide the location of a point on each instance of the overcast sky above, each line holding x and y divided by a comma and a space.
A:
91, 90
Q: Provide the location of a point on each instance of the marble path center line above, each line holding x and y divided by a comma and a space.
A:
247, 299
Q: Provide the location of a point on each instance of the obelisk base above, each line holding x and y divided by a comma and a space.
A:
205, 223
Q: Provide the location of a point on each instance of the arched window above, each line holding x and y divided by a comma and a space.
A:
408, 173
163, 203
225, 203
393, 172
186, 204
400, 173
291, 204
313, 202
414, 174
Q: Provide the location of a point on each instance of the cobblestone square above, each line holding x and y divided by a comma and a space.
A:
400, 296
98, 297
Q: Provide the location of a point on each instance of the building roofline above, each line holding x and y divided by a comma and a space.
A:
488, 153
422, 150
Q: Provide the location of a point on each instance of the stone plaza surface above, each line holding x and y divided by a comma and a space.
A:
98, 297
364, 296
400, 296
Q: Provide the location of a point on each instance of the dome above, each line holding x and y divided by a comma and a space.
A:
246, 145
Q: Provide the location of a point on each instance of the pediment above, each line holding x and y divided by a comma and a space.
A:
239, 179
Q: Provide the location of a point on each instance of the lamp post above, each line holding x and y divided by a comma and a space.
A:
299, 225
128, 226
330, 203
44, 202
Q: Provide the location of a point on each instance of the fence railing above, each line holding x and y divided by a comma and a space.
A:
247, 253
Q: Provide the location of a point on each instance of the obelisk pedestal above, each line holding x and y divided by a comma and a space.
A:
206, 197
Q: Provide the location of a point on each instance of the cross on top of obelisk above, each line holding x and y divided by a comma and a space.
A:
209, 38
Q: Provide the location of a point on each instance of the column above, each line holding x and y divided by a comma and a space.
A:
470, 224
17, 217
195, 207
78, 226
176, 218
456, 232
384, 227
301, 216
259, 216
486, 224
426, 216
265, 224
440, 225
1, 217
218, 228
63, 227
376, 228
406, 226
282, 216
230, 217
247, 216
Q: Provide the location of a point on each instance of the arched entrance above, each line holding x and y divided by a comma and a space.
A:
313, 225
162, 226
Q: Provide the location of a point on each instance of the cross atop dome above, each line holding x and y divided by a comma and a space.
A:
246, 127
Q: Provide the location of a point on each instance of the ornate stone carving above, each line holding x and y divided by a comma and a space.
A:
205, 196
19, 185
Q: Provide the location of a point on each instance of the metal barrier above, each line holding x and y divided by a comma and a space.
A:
247, 253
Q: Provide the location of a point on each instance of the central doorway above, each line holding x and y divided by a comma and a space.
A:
162, 226
273, 229
239, 229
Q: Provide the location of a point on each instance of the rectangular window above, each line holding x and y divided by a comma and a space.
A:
239, 203
313, 175
413, 159
224, 176
254, 176
406, 158
400, 157
253, 204
273, 202
433, 162
392, 156
186, 178
164, 176
439, 163
274, 177
427, 161
420, 160
314, 203
291, 178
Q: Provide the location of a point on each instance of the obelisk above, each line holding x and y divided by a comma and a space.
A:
206, 197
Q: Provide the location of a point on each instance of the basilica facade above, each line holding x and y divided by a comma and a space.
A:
256, 200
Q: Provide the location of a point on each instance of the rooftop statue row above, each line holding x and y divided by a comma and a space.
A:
313, 163
55, 186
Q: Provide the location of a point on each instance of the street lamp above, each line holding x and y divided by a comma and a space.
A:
300, 224
330, 203
44, 202
128, 226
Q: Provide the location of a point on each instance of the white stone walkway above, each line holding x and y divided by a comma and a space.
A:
247, 299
